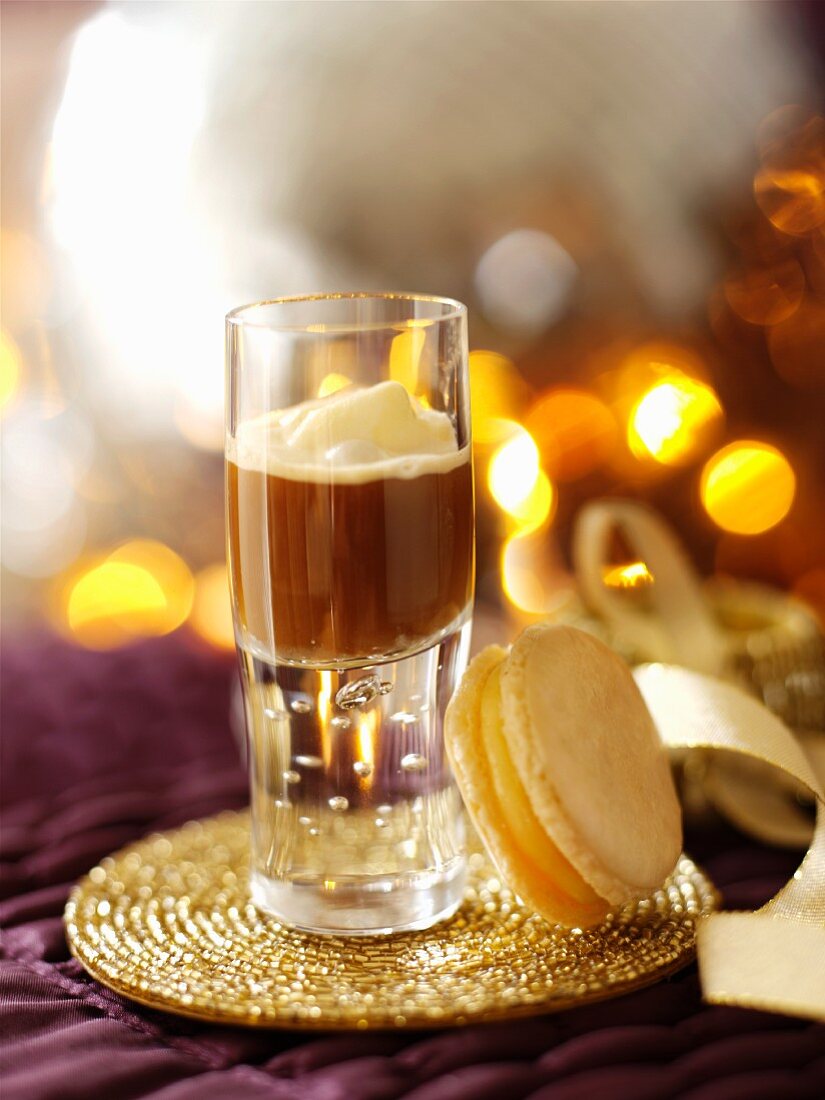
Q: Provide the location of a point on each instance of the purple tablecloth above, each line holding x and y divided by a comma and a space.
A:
98, 749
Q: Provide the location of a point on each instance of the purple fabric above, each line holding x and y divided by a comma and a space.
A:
98, 749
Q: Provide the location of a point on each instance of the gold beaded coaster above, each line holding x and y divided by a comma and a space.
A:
169, 922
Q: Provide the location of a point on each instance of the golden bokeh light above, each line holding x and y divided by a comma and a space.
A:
657, 359
405, 357
113, 589
624, 387
514, 470
574, 431
634, 574
538, 506
333, 382
673, 420
10, 369
211, 614
791, 198
766, 295
747, 487
532, 578
520, 580
498, 392
797, 347
140, 590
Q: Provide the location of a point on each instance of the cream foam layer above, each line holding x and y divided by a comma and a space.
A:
355, 435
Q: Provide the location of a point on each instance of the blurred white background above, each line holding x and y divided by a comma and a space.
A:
561, 167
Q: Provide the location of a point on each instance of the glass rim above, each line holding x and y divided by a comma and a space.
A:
244, 316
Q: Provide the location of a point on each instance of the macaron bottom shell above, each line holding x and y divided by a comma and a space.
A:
499, 807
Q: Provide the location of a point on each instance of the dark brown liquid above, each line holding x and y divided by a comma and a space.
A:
333, 573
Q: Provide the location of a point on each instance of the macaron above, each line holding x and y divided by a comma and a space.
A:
564, 775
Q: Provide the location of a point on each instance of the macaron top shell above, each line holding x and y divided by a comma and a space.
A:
548, 884
591, 761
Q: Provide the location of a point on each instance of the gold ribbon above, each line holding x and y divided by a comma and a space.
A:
772, 959
747, 633
680, 628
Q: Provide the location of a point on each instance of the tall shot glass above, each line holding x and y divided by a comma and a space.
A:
351, 549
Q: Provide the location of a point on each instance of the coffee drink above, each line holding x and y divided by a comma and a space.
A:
350, 527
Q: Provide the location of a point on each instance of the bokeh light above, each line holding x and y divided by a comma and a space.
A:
537, 508
498, 392
575, 432
766, 295
514, 470
43, 520
211, 614
522, 586
38, 544
141, 589
793, 199
634, 574
10, 370
525, 281
333, 382
673, 419
638, 371
657, 359
747, 487
531, 577
790, 185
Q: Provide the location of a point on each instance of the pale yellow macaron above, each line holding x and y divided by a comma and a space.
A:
564, 775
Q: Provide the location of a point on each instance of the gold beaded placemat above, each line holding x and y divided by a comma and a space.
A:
168, 922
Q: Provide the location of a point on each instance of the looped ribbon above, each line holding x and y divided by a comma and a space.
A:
679, 629
679, 624
772, 959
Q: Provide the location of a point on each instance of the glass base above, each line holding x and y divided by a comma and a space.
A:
357, 824
374, 908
